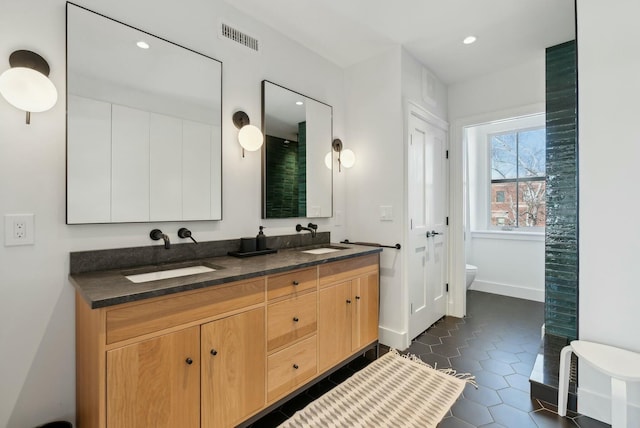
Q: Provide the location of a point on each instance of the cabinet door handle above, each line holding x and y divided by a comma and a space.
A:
295, 283
295, 366
348, 301
295, 319
357, 297
214, 352
189, 361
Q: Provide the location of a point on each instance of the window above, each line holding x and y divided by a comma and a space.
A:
518, 178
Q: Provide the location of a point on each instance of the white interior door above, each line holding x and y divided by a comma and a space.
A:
427, 224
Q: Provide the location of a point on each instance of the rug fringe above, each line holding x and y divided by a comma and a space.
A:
467, 377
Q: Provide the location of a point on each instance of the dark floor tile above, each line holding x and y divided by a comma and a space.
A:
270, 420
471, 412
296, 403
508, 347
475, 354
511, 417
493, 425
446, 350
320, 388
436, 361
507, 357
490, 380
586, 422
453, 422
546, 419
342, 374
455, 340
519, 381
519, 399
526, 357
439, 331
481, 344
428, 339
481, 395
522, 368
497, 367
419, 348
532, 347
464, 364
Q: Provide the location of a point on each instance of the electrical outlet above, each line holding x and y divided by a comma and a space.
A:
19, 229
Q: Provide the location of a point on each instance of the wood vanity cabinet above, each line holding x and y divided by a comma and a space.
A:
217, 356
348, 309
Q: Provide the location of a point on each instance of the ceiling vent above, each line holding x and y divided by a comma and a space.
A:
238, 36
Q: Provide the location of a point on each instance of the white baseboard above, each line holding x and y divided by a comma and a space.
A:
598, 406
393, 339
508, 290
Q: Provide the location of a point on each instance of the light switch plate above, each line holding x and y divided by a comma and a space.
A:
386, 212
19, 229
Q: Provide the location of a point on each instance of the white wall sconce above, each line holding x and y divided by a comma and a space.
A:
346, 157
26, 84
249, 136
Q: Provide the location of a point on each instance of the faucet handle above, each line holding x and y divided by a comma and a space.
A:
156, 234
183, 232
312, 226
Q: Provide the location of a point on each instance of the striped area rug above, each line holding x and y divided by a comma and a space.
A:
393, 391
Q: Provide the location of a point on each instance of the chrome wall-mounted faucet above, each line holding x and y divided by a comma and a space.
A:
156, 234
310, 227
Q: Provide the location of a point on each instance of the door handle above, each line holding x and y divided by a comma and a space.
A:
434, 233
428, 234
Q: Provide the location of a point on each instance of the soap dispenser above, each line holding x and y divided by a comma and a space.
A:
261, 240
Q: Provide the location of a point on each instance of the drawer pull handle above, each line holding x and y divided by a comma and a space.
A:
295, 283
348, 301
189, 361
357, 297
296, 319
214, 352
295, 366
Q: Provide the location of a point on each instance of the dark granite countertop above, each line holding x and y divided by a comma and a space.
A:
110, 287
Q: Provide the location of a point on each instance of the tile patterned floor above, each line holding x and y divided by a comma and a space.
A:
497, 342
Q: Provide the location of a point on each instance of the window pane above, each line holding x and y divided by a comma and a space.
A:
531, 153
503, 212
503, 156
531, 209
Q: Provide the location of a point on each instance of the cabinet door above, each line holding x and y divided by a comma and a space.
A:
156, 382
365, 323
334, 324
233, 368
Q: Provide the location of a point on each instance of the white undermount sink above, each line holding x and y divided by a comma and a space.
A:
322, 250
169, 273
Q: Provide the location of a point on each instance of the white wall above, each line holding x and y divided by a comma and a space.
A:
376, 91
512, 92
609, 143
36, 299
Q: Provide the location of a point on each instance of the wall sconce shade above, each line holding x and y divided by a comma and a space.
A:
25, 85
250, 137
346, 157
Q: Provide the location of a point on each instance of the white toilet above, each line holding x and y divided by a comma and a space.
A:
471, 274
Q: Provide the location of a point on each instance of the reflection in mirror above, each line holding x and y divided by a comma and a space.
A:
143, 126
298, 132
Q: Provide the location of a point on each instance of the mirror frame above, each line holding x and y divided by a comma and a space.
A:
221, 121
264, 150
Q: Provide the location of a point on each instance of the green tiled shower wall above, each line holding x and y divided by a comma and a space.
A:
302, 169
561, 236
285, 165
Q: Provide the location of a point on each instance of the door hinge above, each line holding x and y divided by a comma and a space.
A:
447, 221
446, 154
411, 225
410, 308
447, 287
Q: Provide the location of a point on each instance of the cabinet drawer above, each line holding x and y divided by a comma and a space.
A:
346, 269
291, 367
291, 319
291, 282
135, 320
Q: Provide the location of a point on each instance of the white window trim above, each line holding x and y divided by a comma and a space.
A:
515, 235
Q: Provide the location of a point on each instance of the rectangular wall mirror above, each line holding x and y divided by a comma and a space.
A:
296, 176
143, 125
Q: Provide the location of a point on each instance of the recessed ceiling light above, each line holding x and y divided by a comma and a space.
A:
299, 103
142, 45
469, 39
